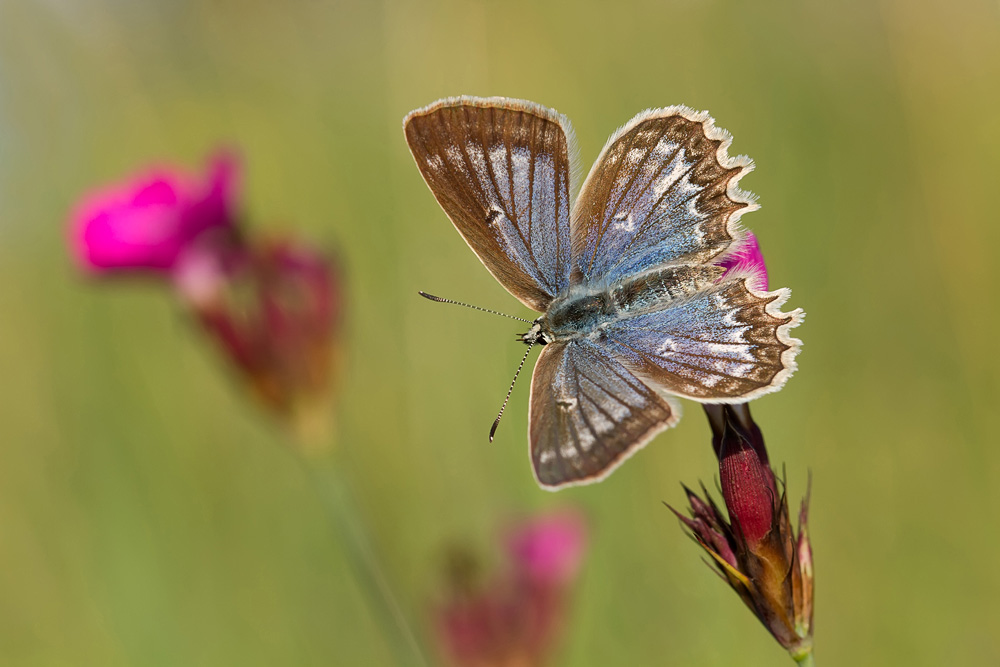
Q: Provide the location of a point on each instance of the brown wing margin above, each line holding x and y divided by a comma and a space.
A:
500, 169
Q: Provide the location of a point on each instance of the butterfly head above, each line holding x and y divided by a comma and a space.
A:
538, 333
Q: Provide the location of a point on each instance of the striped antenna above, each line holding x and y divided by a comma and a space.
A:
503, 407
469, 305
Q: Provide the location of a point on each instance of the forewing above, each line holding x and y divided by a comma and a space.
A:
588, 414
500, 169
724, 343
663, 191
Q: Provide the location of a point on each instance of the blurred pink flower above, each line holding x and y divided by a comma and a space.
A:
147, 223
748, 258
272, 307
549, 549
275, 318
516, 618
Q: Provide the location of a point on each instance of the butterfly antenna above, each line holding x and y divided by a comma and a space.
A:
503, 407
440, 299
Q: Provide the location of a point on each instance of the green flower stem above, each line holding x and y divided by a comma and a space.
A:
341, 510
805, 659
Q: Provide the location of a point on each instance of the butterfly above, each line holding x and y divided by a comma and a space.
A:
635, 309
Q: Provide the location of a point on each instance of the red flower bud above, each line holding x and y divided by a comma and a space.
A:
747, 482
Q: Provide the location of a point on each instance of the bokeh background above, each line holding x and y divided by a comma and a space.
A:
149, 515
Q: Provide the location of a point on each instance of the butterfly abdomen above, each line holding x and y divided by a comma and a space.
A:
653, 290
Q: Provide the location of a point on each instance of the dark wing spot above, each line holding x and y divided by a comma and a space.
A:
566, 403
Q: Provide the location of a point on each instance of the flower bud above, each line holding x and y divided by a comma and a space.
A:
756, 551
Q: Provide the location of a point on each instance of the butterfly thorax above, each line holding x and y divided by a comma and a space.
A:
581, 312
578, 313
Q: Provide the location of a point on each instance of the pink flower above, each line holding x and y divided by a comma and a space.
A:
147, 223
272, 307
275, 315
747, 258
515, 619
549, 549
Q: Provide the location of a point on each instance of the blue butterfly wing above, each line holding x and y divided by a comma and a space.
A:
719, 342
588, 414
663, 191
500, 169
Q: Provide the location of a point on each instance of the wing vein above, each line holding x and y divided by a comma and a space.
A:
452, 169
583, 417
512, 215
651, 358
608, 392
651, 221
530, 204
609, 214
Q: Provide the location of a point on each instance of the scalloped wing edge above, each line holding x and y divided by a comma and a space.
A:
789, 365
713, 133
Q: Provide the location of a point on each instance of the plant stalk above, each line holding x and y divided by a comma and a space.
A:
341, 509
805, 659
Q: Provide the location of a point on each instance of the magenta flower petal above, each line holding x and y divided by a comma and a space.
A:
747, 258
549, 549
147, 222
218, 198
129, 225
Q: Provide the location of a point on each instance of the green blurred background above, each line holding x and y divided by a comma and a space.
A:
150, 516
